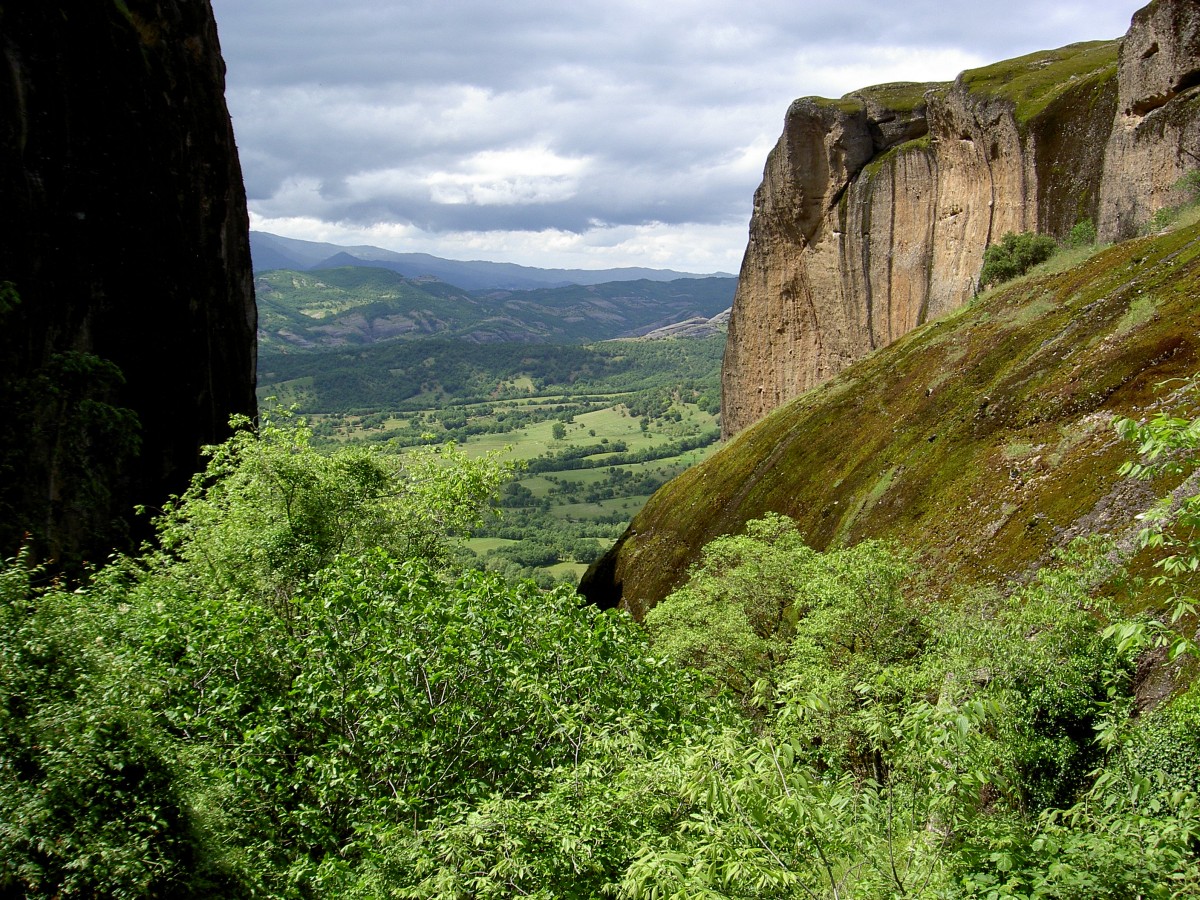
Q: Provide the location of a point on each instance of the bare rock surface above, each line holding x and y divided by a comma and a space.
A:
875, 210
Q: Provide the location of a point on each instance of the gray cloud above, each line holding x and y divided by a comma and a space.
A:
444, 122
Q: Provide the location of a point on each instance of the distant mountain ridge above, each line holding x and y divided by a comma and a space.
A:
271, 251
348, 306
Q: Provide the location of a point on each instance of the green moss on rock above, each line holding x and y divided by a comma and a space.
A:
1032, 82
914, 443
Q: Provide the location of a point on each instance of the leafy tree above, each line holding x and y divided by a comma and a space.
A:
91, 804
316, 723
1015, 255
735, 616
269, 510
389, 695
762, 599
912, 751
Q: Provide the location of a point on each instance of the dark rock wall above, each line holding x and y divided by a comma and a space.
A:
125, 247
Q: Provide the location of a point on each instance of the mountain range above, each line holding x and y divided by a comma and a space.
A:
353, 306
270, 251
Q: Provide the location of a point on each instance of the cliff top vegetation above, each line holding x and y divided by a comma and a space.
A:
1033, 81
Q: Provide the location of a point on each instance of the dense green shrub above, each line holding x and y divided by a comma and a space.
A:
91, 804
268, 511
949, 750
1083, 234
358, 721
1015, 255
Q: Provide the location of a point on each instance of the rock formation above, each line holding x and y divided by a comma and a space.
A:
982, 442
127, 315
875, 210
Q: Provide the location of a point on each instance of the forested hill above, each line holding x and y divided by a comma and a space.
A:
356, 306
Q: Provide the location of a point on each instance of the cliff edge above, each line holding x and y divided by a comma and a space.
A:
127, 317
875, 210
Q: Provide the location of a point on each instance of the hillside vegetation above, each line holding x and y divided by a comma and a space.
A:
299, 693
983, 440
356, 306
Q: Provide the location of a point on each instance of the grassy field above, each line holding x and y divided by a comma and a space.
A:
588, 447
557, 519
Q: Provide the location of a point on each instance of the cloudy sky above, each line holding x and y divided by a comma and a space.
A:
580, 134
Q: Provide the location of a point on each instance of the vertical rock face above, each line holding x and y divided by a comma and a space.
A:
127, 317
1155, 138
875, 210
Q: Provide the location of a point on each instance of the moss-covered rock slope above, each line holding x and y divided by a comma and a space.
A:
982, 440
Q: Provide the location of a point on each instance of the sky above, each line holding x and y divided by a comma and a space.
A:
570, 133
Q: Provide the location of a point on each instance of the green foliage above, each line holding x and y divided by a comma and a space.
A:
269, 510
320, 723
734, 618
1083, 234
1045, 656
1168, 444
1015, 255
763, 821
388, 696
351, 720
912, 750
90, 804
763, 607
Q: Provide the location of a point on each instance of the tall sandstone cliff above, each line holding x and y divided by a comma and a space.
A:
127, 317
875, 210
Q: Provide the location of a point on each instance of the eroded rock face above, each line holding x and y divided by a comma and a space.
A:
1155, 139
875, 210
127, 325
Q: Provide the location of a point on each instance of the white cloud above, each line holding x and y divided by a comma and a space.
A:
507, 177
615, 131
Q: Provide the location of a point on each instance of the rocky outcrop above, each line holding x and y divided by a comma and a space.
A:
1155, 138
875, 210
127, 317
982, 441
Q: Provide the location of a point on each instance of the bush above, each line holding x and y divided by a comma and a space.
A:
1015, 255
1082, 235
270, 510
90, 803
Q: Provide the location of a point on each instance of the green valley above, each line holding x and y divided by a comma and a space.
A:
593, 429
